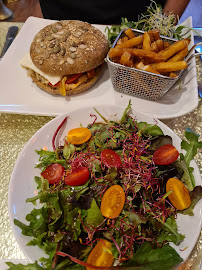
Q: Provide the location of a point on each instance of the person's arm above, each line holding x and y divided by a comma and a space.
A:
177, 7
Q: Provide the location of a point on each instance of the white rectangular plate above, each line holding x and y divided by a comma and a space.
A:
18, 94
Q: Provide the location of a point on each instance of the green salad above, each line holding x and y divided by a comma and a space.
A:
109, 197
153, 18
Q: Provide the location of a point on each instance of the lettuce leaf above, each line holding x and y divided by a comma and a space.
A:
126, 112
191, 146
47, 158
94, 217
170, 231
150, 258
30, 266
195, 195
146, 128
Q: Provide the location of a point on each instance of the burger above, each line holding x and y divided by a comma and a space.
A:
66, 57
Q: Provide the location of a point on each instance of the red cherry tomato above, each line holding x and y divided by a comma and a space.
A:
110, 158
53, 173
165, 155
77, 177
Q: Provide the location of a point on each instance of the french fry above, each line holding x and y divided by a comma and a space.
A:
119, 42
131, 42
140, 65
116, 59
179, 56
164, 67
156, 34
124, 39
146, 44
148, 52
129, 33
115, 52
136, 61
146, 61
146, 68
159, 44
150, 33
154, 57
154, 47
172, 75
130, 63
173, 48
125, 58
150, 69
166, 44
187, 41
138, 46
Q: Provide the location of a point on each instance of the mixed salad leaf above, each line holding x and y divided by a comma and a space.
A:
81, 207
153, 18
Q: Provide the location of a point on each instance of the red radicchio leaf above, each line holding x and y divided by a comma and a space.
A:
56, 132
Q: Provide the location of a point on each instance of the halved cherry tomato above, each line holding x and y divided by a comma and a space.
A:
101, 255
53, 173
77, 177
110, 158
78, 135
179, 197
112, 202
165, 155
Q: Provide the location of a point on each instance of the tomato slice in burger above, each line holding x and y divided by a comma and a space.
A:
53, 173
110, 158
101, 255
73, 78
165, 155
77, 177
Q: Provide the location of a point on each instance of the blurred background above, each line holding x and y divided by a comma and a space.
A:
24, 8
193, 9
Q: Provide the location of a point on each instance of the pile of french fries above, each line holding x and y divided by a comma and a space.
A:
150, 53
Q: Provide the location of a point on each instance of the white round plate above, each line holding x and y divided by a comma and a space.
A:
23, 186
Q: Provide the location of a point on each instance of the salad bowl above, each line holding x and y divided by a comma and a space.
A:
22, 184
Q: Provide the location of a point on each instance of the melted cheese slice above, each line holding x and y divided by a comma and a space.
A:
26, 62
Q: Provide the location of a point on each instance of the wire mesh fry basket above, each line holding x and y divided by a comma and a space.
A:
140, 83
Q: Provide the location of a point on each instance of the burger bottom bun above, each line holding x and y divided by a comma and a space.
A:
56, 90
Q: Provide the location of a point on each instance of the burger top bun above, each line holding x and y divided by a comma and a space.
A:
68, 47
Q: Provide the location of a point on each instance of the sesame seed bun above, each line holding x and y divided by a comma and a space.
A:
68, 47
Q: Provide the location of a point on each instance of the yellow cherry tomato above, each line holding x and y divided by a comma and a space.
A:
101, 255
179, 197
112, 202
78, 135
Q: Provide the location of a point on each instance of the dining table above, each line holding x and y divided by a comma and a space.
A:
17, 129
